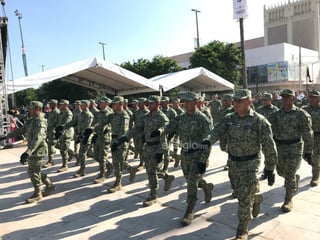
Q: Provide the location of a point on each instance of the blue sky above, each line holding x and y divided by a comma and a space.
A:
64, 31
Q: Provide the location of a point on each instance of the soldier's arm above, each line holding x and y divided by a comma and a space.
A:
306, 131
17, 132
268, 145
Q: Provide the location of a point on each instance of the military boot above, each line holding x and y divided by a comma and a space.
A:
256, 205
315, 176
132, 171
109, 169
101, 177
168, 179
188, 216
151, 199
297, 182
37, 196
49, 187
207, 188
116, 186
287, 205
242, 230
80, 173
70, 155
177, 159
50, 163
141, 164
63, 168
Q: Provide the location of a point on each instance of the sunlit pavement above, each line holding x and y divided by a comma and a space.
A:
79, 209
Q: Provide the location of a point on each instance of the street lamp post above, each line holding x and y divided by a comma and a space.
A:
42, 67
198, 39
23, 50
102, 45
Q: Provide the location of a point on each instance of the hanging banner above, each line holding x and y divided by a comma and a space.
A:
240, 9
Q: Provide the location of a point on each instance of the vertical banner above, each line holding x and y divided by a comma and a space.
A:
240, 9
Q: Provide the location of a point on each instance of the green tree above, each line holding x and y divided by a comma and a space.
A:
157, 66
59, 89
23, 98
221, 58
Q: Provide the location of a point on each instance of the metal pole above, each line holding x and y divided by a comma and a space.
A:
198, 39
42, 67
243, 58
103, 53
300, 77
23, 50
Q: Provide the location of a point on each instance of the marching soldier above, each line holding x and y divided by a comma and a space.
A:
267, 109
76, 112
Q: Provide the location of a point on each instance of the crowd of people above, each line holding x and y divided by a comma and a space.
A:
282, 126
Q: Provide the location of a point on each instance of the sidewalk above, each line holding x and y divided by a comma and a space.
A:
79, 209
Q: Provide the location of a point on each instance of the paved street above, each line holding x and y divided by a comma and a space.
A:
79, 209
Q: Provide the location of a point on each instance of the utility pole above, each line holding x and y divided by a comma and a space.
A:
198, 39
42, 67
103, 44
243, 58
23, 50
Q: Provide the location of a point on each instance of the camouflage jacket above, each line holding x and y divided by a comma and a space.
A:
53, 119
65, 117
119, 122
170, 113
293, 124
35, 131
267, 111
246, 136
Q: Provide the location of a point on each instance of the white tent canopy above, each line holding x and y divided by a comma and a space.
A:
114, 80
195, 79
92, 73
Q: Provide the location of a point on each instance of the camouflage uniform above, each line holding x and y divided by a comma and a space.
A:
119, 122
137, 119
288, 128
53, 121
171, 114
65, 116
35, 131
314, 112
267, 111
246, 136
215, 107
83, 124
103, 140
76, 112
154, 148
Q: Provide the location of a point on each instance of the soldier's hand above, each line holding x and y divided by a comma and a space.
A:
24, 158
58, 132
202, 167
94, 138
2, 137
114, 147
308, 158
155, 133
270, 175
159, 157
122, 140
170, 136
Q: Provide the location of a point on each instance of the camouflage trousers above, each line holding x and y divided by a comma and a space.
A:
34, 171
83, 151
289, 160
153, 169
244, 181
52, 142
101, 152
316, 153
119, 159
138, 144
65, 150
189, 164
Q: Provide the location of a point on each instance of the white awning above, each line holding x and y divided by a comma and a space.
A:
91, 73
195, 79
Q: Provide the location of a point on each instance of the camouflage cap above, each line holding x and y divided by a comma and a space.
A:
125, 100
165, 99
85, 102
266, 96
175, 99
314, 93
153, 98
77, 102
105, 99
54, 101
134, 100
201, 99
288, 91
64, 101
117, 99
242, 94
142, 100
227, 96
92, 101
258, 94
190, 96
35, 104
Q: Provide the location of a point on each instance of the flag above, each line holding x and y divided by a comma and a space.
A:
308, 75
